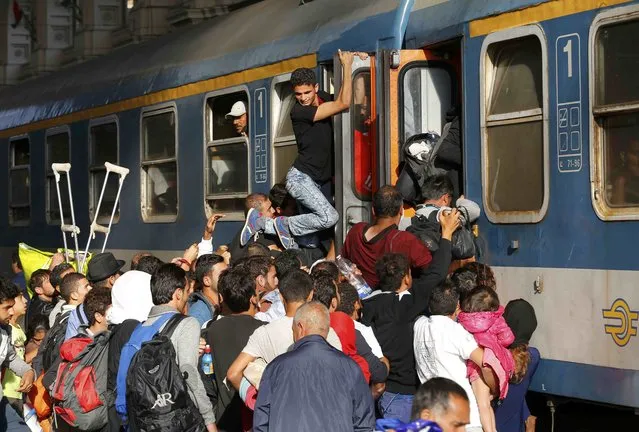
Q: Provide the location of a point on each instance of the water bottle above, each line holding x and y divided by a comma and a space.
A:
207, 361
347, 268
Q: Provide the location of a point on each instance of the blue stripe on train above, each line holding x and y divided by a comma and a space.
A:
588, 382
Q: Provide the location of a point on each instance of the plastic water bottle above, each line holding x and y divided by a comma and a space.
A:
207, 361
347, 268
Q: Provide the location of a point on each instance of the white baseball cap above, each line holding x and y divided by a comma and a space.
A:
237, 110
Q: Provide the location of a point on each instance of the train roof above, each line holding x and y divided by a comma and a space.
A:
263, 33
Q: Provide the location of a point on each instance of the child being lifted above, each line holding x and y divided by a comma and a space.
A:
309, 179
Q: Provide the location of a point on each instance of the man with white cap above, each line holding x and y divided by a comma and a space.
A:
240, 119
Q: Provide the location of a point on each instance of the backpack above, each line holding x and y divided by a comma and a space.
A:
415, 171
80, 394
50, 348
426, 227
152, 394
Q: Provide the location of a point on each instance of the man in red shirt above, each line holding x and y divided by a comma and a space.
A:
365, 244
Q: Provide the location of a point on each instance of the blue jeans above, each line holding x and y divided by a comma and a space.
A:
395, 406
307, 193
9, 418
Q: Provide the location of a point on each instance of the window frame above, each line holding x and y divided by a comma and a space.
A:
486, 71
12, 167
208, 133
428, 64
48, 173
602, 209
150, 112
276, 109
93, 169
351, 112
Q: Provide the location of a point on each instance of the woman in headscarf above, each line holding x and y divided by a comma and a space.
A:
513, 414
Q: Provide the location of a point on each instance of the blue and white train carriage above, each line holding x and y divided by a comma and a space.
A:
550, 109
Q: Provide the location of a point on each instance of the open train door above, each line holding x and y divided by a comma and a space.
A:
417, 89
355, 148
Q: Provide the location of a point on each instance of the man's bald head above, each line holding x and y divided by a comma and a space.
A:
311, 319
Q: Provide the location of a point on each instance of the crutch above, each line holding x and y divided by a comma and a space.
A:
95, 227
73, 228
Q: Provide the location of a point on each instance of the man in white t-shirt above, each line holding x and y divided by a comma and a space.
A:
275, 338
442, 346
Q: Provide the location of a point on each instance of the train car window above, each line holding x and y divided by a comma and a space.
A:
515, 145
360, 112
57, 151
227, 153
427, 94
103, 138
284, 144
616, 120
160, 201
19, 181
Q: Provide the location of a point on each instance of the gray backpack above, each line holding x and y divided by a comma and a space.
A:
80, 395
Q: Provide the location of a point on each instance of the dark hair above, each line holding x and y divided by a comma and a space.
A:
435, 395
287, 261
237, 288
204, 265
327, 266
444, 299
481, 299
436, 186
254, 266
295, 286
256, 249
135, 260
56, 274
149, 264
348, 298
324, 290
69, 285
97, 300
464, 280
279, 196
8, 290
303, 76
37, 322
165, 281
387, 202
15, 259
390, 270
485, 275
254, 201
38, 278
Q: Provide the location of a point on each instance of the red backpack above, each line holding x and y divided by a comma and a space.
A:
80, 395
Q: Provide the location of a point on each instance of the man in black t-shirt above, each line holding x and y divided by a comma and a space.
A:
313, 167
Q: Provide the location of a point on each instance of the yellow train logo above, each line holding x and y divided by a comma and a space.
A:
624, 322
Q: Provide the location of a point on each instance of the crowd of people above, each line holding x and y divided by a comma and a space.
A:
268, 332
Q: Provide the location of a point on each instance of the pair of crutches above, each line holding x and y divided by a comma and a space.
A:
95, 227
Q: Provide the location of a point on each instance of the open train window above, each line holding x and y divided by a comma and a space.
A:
514, 131
284, 144
227, 153
103, 140
615, 109
19, 181
58, 150
160, 198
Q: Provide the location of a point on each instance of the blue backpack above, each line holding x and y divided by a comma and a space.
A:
140, 335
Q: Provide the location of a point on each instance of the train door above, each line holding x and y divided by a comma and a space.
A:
420, 88
355, 148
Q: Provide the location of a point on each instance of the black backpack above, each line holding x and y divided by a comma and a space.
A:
50, 349
157, 395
